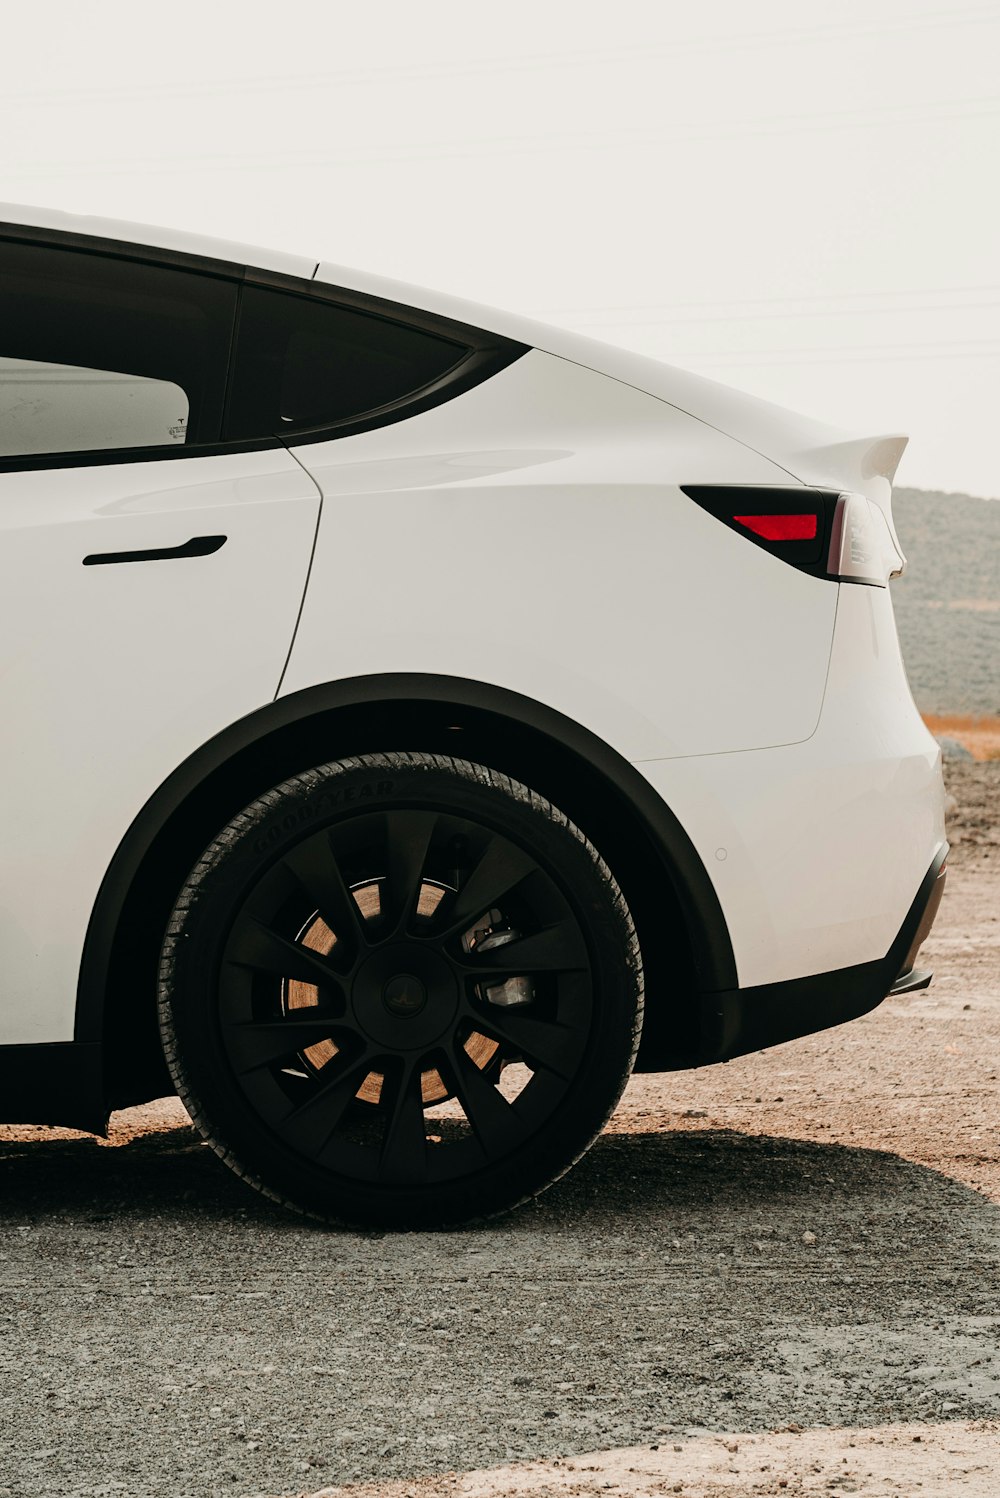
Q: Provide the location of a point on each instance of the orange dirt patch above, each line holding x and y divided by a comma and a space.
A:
979, 734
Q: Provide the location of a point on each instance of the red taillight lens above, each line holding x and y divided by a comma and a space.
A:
792, 524
841, 537
780, 527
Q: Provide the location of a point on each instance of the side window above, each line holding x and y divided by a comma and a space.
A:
64, 408
99, 353
303, 363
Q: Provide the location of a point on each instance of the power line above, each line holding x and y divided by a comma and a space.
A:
983, 348
681, 322
858, 348
480, 66
770, 301
873, 359
533, 144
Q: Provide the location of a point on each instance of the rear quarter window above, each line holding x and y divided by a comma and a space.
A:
304, 363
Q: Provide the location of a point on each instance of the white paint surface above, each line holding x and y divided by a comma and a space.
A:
112, 675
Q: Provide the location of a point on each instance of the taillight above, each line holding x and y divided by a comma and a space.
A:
842, 537
781, 527
861, 548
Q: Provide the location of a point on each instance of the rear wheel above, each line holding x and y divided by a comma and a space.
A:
400, 990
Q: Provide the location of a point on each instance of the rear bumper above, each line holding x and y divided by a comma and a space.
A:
815, 849
748, 1019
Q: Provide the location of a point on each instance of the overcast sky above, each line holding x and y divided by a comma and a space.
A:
795, 198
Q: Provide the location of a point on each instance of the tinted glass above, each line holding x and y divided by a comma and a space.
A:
63, 408
306, 363
99, 353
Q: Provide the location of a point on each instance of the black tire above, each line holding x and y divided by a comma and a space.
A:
326, 1006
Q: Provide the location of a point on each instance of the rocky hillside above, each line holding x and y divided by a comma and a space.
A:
948, 604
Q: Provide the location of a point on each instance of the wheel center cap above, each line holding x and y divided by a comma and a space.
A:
404, 995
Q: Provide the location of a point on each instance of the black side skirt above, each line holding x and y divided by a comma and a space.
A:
60, 1084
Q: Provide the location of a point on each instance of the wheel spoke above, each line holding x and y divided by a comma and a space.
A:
501, 867
554, 949
310, 1125
403, 1160
314, 866
408, 838
493, 1120
256, 946
547, 1044
336, 1049
263, 1042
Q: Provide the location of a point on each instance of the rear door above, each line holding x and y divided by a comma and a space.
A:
150, 579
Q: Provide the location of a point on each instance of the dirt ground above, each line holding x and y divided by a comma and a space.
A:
934, 1461
796, 1255
978, 733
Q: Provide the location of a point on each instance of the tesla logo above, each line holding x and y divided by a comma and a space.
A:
404, 994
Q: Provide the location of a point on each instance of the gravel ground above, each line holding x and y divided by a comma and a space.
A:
807, 1236
887, 1461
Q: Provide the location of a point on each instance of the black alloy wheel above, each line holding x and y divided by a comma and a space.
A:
400, 990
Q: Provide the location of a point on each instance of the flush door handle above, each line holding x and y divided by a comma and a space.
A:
198, 546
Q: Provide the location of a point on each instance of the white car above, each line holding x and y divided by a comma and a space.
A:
393, 691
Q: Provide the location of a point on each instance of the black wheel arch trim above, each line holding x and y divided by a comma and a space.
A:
712, 948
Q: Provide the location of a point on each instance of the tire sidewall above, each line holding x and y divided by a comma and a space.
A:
263, 834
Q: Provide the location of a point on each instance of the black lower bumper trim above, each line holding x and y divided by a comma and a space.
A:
912, 980
748, 1019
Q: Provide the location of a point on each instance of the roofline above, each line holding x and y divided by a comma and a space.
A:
807, 450
230, 255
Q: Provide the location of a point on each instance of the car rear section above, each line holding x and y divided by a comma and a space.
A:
828, 854
698, 578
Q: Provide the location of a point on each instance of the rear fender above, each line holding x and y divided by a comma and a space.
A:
592, 783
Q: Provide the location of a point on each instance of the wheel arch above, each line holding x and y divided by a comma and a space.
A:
681, 927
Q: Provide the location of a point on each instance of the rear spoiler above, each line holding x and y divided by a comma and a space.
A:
852, 463
857, 465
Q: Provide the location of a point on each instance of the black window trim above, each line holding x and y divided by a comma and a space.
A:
486, 353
